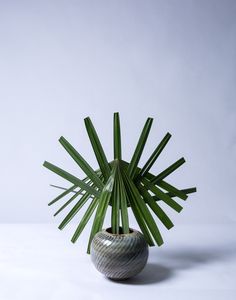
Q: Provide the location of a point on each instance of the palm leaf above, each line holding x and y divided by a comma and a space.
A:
155, 155
163, 196
123, 203
139, 148
66, 192
81, 162
168, 187
186, 191
74, 210
140, 220
102, 206
97, 148
71, 178
163, 184
117, 136
168, 171
155, 207
171, 189
67, 203
136, 201
85, 219
119, 184
78, 193
115, 210
61, 188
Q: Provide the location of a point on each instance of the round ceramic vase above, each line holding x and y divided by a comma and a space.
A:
119, 256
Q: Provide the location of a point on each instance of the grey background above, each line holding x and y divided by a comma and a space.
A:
61, 61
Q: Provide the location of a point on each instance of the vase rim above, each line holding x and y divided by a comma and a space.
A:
132, 231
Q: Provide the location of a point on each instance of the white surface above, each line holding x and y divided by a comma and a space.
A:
38, 262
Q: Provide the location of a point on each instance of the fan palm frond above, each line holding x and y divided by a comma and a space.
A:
121, 185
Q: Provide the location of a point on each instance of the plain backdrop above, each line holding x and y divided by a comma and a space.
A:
61, 61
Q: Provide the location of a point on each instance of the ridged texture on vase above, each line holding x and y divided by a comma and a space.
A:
119, 256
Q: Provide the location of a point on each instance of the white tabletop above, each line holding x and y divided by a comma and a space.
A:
37, 261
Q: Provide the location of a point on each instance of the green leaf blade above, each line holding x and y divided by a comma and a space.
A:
66, 192
123, 203
168, 187
186, 191
155, 155
67, 203
169, 170
85, 220
115, 209
81, 162
102, 206
136, 200
117, 136
163, 196
171, 189
74, 210
97, 148
71, 178
142, 224
156, 208
139, 148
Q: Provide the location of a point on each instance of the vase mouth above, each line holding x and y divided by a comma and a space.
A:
109, 231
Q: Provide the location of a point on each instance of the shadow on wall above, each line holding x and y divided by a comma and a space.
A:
182, 259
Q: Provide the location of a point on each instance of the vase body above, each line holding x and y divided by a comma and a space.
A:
119, 256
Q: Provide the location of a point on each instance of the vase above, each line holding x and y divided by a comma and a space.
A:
119, 256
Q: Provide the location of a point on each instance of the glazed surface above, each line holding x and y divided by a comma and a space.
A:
119, 256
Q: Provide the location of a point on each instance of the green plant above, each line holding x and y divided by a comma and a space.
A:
121, 185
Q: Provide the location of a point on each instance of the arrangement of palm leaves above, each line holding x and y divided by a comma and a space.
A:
121, 185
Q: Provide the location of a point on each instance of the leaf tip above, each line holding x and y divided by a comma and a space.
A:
170, 226
185, 197
179, 209
45, 163
150, 119
87, 119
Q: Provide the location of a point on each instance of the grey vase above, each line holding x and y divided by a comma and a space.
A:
119, 256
